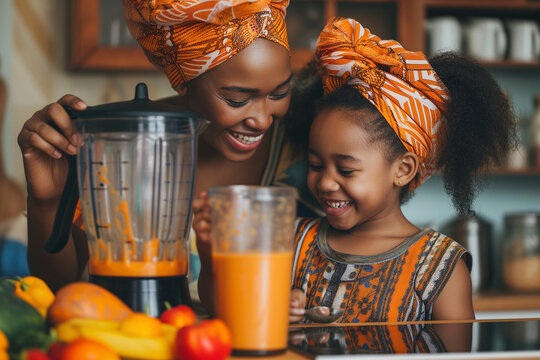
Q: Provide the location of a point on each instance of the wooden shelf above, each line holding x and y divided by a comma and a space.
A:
486, 4
530, 171
506, 301
511, 64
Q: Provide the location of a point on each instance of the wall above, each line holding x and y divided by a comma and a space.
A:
33, 50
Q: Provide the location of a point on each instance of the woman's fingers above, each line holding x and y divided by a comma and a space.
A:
30, 141
51, 130
42, 136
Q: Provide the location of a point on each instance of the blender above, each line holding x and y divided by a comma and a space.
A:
136, 172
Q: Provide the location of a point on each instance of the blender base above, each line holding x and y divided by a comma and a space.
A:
148, 294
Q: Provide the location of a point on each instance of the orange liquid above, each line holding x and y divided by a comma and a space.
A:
253, 292
102, 262
150, 266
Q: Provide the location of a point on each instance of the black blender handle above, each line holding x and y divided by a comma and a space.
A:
68, 203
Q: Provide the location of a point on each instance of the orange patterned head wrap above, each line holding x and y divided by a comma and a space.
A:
401, 84
185, 38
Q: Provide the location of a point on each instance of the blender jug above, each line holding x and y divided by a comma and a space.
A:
136, 171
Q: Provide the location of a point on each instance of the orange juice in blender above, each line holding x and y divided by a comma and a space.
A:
134, 173
252, 240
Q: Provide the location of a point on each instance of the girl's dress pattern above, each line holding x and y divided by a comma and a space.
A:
387, 339
398, 285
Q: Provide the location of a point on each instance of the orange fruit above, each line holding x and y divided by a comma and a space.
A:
4, 343
86, 349
141, 325
4, 355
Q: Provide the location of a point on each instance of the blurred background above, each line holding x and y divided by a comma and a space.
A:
52, 47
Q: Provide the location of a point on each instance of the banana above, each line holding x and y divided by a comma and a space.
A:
107, 332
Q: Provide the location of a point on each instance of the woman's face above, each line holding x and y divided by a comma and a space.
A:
242, 97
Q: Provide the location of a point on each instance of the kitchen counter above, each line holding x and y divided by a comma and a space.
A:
498, 301
475, 339
499, 305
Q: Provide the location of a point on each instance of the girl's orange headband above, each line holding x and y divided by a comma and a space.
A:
400, 83
185, 38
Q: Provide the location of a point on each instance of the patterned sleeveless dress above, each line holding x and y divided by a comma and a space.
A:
398, 285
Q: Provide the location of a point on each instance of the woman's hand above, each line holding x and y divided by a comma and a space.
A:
202, 225
42, 147
298, 305
46, 168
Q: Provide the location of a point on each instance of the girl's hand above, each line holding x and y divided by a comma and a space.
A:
202, 225
42, 147
298, 305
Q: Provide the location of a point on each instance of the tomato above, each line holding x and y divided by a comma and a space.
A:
179, 316
55, 350
86, 349
35, 354
209, 340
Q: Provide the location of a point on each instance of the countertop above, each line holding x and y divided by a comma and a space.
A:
470, 339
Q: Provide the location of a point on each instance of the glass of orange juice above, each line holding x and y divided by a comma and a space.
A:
252, 250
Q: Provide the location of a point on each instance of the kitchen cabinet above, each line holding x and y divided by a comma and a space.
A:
404, 20
100, 41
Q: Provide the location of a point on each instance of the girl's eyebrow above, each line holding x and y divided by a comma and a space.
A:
346, 157
253, 91
338, 156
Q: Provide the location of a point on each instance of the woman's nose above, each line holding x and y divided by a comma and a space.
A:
261, 118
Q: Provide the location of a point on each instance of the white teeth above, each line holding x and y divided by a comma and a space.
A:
337, 204
248, 140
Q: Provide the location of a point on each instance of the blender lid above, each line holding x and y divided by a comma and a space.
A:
140, 106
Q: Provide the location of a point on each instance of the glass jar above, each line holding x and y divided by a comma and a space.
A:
521, 252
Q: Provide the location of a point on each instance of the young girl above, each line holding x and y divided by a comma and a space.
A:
389, 119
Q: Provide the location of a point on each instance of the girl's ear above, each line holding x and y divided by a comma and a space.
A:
182, 89
407, 167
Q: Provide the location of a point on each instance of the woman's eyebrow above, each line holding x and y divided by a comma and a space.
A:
253, 91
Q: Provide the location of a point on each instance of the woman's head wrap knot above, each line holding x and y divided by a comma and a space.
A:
185, 38
401, 84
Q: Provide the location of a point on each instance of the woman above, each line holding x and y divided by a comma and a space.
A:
229, 63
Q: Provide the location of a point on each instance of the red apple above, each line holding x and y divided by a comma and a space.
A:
179, 316
208, 340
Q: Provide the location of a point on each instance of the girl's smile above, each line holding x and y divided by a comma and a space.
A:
335, 207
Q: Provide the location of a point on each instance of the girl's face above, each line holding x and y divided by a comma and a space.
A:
348, 173
242, 97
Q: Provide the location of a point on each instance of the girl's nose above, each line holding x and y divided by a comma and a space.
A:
327, 183
261, 118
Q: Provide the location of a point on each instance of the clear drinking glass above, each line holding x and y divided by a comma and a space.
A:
252, 250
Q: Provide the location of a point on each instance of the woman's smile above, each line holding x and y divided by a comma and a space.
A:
244, 142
